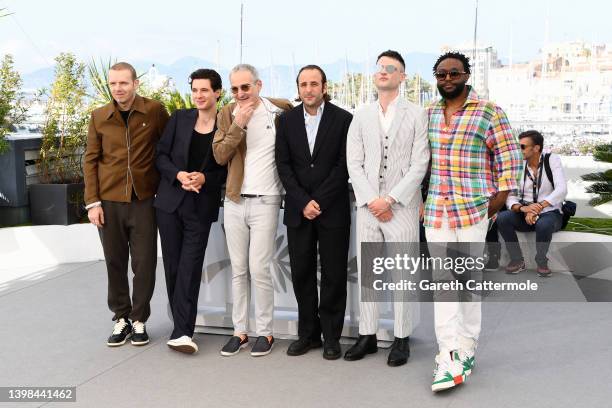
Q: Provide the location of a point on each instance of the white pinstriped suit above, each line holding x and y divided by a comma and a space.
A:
382, 164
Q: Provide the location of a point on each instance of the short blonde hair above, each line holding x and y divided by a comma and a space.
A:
119, 66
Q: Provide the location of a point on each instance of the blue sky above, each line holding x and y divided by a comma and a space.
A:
316, 31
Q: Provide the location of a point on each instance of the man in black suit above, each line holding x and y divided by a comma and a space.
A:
188, 200
311, 162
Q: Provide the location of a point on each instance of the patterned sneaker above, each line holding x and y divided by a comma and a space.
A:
234, 345
448, 372
466, 357
121, 332
515, 267
544, 271
139, 334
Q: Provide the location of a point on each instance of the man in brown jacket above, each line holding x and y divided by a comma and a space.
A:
120, 182
245, 141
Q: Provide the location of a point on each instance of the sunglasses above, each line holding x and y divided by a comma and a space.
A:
243, 88
524, 146
389, 69
441, 75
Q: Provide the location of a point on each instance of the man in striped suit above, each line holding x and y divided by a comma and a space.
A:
387, 157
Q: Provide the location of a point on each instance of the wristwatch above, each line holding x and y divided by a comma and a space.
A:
389, 201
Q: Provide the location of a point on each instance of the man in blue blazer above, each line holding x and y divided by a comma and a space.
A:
188, 200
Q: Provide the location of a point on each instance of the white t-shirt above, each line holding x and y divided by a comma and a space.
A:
260, 173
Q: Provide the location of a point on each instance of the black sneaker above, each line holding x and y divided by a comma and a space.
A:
234, 345
121, 332
262, 346
139, 334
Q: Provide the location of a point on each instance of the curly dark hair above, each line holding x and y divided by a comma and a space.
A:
455, 55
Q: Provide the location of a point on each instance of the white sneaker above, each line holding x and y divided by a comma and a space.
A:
448, 372
139, 334
184, 344
465, 354
466, 357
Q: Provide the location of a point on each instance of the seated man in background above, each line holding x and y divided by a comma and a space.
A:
537, 204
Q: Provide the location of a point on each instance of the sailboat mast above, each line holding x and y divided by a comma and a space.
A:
241, 14
474, 62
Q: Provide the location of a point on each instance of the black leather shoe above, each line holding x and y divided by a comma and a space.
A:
302, 346
366, 344
400, 351
331, 350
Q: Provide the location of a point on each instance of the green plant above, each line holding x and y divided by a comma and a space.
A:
13, 108
176, 100
603, 180
164, 93
593, 225
98, 76
64, 133
224, 99
4, 12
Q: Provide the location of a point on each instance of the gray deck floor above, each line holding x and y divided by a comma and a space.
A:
54, 326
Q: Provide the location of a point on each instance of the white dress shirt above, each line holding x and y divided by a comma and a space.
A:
386, 118
555, 197
312, 125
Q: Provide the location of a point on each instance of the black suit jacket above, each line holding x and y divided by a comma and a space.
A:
171, 157
321, 176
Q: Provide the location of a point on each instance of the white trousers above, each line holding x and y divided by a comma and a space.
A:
457, 324
250, 229
403, 227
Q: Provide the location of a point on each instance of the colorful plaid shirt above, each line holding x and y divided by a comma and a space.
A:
471, 159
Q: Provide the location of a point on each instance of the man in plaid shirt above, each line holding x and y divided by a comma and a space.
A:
475, 163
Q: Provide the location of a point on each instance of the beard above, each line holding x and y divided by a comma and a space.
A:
451, 94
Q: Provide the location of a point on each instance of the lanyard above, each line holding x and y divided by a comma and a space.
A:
535, 184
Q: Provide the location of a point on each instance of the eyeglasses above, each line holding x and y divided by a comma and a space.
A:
524, 146
389, 69
441, 75
243, 88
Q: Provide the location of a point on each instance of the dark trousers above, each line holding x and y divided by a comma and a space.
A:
184, 237
509, 222
327, 314
493, 247
130, 230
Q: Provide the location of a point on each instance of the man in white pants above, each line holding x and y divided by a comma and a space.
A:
245, 141
475, 164
387, 157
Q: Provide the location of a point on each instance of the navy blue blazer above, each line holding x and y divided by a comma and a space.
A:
172, 155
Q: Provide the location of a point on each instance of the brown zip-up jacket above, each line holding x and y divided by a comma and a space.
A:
119, 158
229, 146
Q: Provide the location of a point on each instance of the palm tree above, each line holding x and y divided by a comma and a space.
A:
603, 180
4, 12
98, 75
172, 99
